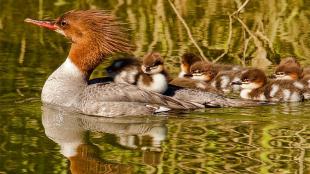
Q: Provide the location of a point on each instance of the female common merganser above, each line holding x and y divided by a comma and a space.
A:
154, 76
255, 86
95, 35
214, 76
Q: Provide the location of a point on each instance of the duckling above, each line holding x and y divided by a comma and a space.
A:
154, 76
124, 70
306, 81
187, 60
255, 86
288, 69
194, 84
306, 74
214, 76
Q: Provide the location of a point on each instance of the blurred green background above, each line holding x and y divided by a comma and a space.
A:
270, 139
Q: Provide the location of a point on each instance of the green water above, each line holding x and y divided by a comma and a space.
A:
269, 139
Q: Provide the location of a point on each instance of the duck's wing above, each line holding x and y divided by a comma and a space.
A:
100, 80
125, 99
210, 99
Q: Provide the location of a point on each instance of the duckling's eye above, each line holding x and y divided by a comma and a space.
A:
280, 73
245, 80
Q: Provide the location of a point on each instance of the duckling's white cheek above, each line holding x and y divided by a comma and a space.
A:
158, 69
249, 86
283, 77
198, 78
298, 85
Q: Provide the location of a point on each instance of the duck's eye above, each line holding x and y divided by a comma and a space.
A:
63, 23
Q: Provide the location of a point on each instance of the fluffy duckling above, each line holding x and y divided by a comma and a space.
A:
124, 70
154, 77
306, 75
255, 86
215, 76
187, 60
150, 75
288, 69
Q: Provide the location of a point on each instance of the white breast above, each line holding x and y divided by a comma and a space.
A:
159, 84
245, 93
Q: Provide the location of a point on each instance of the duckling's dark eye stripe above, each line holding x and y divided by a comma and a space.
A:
157, 63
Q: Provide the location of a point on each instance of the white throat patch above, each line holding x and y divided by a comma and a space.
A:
69, 67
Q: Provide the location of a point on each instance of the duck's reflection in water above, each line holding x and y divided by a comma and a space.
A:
70, 131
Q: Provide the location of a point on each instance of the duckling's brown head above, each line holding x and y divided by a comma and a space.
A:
288, 72
290, 60
152, 63
253, 79
203, 71
94, 34
187, 60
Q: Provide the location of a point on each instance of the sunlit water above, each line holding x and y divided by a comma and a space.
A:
37, 139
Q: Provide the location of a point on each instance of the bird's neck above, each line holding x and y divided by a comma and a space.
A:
86, 56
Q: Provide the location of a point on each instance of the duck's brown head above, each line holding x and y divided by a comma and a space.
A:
187, 60
94, 34
203, 71
252, 79
152, 63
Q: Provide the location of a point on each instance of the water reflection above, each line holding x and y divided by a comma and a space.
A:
71, 132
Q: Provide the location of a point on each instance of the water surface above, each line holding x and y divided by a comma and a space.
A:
268, 139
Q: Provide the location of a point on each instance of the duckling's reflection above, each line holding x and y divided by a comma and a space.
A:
70, 131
